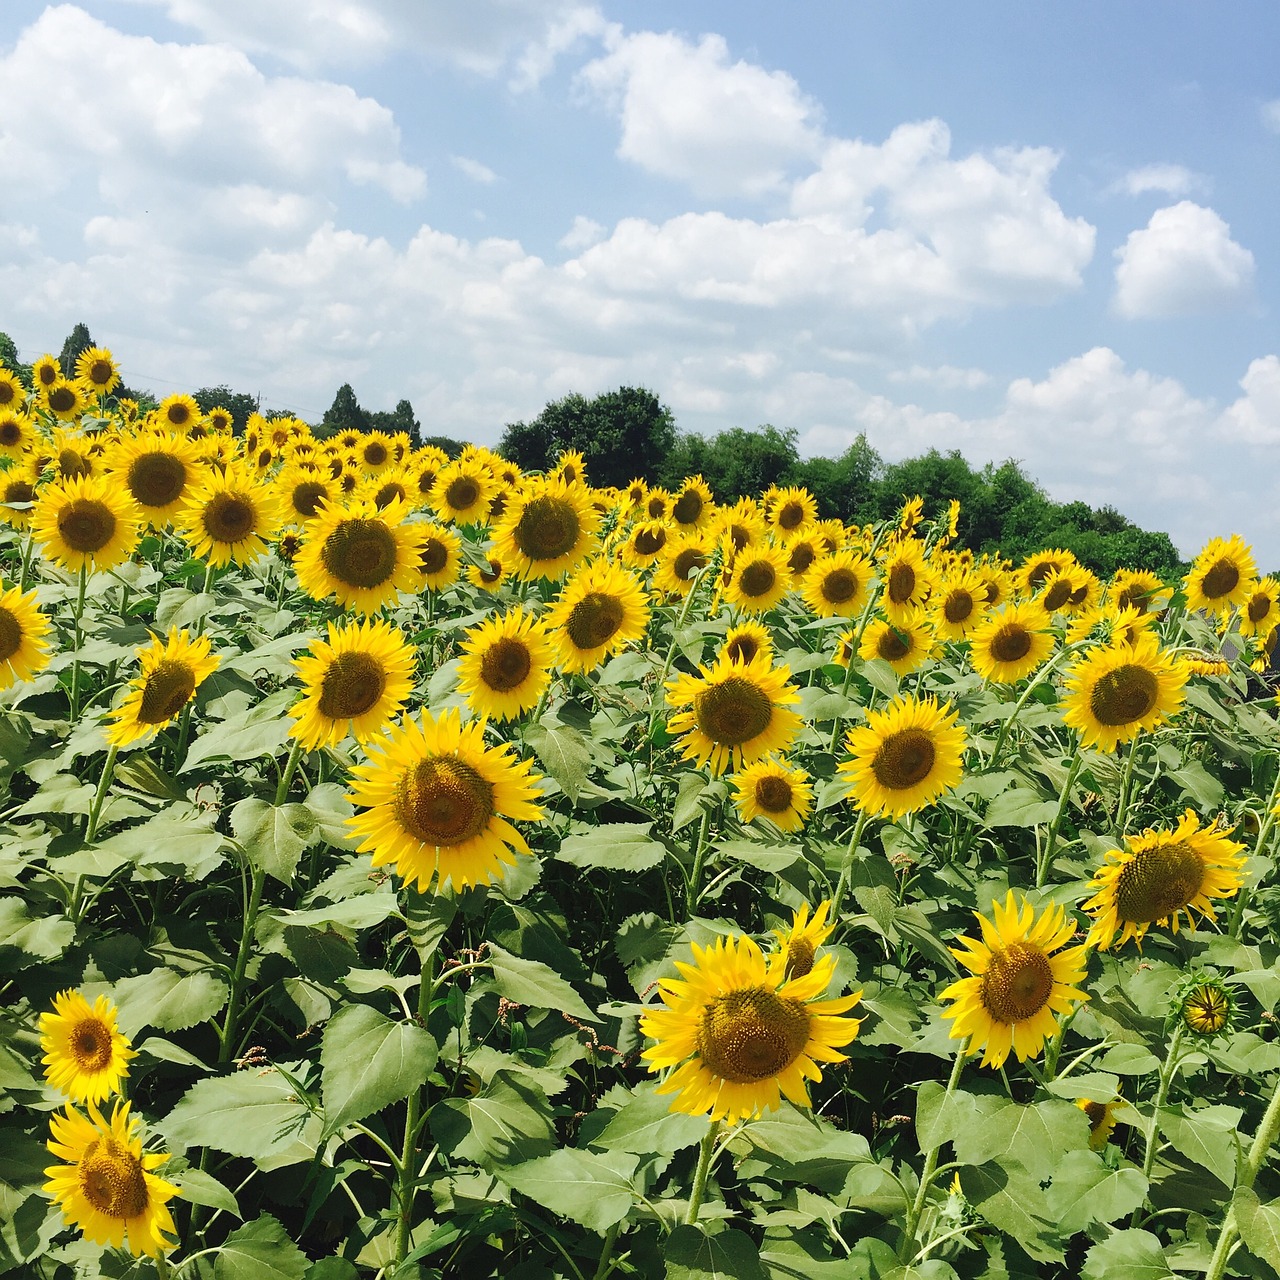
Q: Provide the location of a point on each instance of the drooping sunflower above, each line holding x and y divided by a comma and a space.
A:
96, 368
1161, 874
17, 434
570, 468
487, 576
105, 1185
644, 543
354, 682
229, 517
904, 757
1114, 693
1018, 984
505, 665
600, 609
760, 578
548, 528
740, 1034
1221, 576
1011, 644
960, 606
360, 555
178, 412
734, 713
905, 644
836, 585
439, 803
24, 649
772, 789
85, 523
1102, 1120
747, 641
908, 578
85, 1054
462, 493
1261, 611
172, 670
439, 557
693, 507
159, 470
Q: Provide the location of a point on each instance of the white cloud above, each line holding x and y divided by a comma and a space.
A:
474, 170
691, 114
582, 235
1183, 261
1255, 417
946, 377
1168, 179
1271, 115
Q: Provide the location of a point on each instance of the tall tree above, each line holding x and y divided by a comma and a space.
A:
401, 418
78, 340
240, 404
344, 414
10, 360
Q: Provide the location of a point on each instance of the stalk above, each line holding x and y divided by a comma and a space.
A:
407, 1173
1046, 857
700, 1176
909, 1246
1264, 834
226, 1037
79, 643
699, 858
295, 754
846, 867
1167, 1071
1036, 680
91, 830
1126, 787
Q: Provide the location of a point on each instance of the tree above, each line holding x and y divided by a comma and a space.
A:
78, 340
846, 488
451, 446
344, 414
401, 418
9, 360
238, 403
745, 463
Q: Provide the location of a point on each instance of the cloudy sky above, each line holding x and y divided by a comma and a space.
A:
1039, 232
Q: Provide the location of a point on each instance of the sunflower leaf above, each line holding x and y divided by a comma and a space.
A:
587, 1187
1259, 1225
691, 1254
532, 983
1136, 1255
563, 752
274, 836
260, 1250
619, 846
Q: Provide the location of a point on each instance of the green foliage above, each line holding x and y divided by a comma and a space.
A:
9, 359
240, 404
77, 341
344, 414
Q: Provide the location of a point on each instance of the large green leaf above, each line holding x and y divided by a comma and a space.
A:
260, 1250
692, 1254
1035, 1135
591, 1188
618, 846
259, 730
1207, 1136
1259, 1225
1010, 1198
507, 1122
203, 1188
1085, 1190
367, 1062
537, 985
563, 752
273, 836
646, 1125
168, 1000
1127, 1255
24, 939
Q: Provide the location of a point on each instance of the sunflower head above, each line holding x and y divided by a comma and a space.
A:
600, 610
548, 528
798, 946
24, 648
1102, 1120
1205, 1006
86, 523
85, 1054
172, 670
773, 790
506, 665
1221, 576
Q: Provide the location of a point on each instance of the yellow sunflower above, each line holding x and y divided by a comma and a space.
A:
362, 556
505, 665
600, 609
1261, 611
644, 543
904, 757
733, 713
487, 576
229, 517
548, 528
1221, 576
17, 493
1039, 565
793, 510
1018, 983
462, 492
1102, 1120
693, 507
439, 557
85, 523
906, 644
1011, 644
799, 945
802, 550
760, 578
439, 803
961, 605
96, 369
912, 514
159, 470
354, 682
46, 371
1144, 591
395, 484
172, 670
741, 524
17, 434
105, 1185
740, 1034
772, 789
657, 504
1066, 590
835, 585
747, 641
1160, 875
73, 454
683, 558
65, 399
302, 493
85, 1055
907, 576
24, 649
635, 493
13, 395
1114, 693
570, 468
178, 412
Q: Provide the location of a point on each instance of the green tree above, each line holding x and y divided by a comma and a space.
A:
239, 404
78, 340
10, 360
745, 463
451, 446
401, 418
344, 414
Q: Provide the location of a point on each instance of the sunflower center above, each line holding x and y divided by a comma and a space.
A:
688, 507
167, 691
801, 557
742, 648
156, 479
648, 542
1011, 643
1221, 580
434, 556
657, 507
800, 953
1158, 881
748, 1036
360, 553
1259, 607
1097, 1113
71, 463
687, 563
1124, 695
308, 495
10, 431
10, 634
758, 579
1057, 595
506, 664
8, 393
352, 685
90, 1044
178, 414
443, 801
594, 619
840, 586
902, 582
904, 759
19, 491
86, 525
893, 645
733, 712
790, 515
1041, 571
547, 529
375, 454
229, 517
112, 1180
462, 493
958, 606
100, 372
62, 399
773, 794
1017, 984
491, 572
47, 374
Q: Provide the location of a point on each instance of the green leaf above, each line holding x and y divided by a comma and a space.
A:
619, 846
332, 1269
1259, 1225
1020, 807
260, 730
1133, 1255
592, 1189
1197, 782
1208, 1137
507, 1122
646, 1125
24, 940
1009, 1198
563, 752
260, 1250
203, 1188
367, 1062
273, 836
428, 916
537, 985
168, 1000
941, 1119
692, 1254
171, 845
1036, 1136
692, 796
1085, 1191
758, 853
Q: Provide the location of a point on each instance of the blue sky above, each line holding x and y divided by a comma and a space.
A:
1029, 231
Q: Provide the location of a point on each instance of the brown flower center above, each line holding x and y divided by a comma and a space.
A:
375, 454
307, 495
688, 562
1259, 606
167, 690
958, 606
443, 801
790, 515
1017, 984
10, 431
773, 794
688, 507
800, 954
648, 542
462, 494
1221, 580
752, 1035
156, 479
840, 586
63, 399
90, 1044
100, 373
548, 528
742, 648
112, 1180
86, 525
434, 556
178, 414
733, 712
1011, 643
506, 664
360, 553
10, 634
352, 685
893, 645
1057, 595
8, 393
757, 579
802, 556
1158, 881
1124, 695
593, 621
904, 759
902, 583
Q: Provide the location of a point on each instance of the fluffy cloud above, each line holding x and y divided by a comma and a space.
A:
945, 377
1168, 179
1183, 261
1255, 417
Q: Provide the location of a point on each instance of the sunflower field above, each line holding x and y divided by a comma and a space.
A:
412, 868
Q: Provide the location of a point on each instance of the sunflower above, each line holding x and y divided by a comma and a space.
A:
96, 369
505, 665
45, 372
24, 649
220, 420
802, 550
85, 523
105, 1185
462, 493
1011, 644
1160, 875
1221, 575
159, 471
1261, 611
1018, 983
747, 641
760, 577
73, 454
836, 585
793, 510
961, 605
1110, 625
1207, 1006
354, 682
600, 609
570, 468
1144, 591
17, 434
172, 670
1065, 590
439, 557
1038, 566
693, 507
65, 399
772, 789
912, 514
734, 712
1102, 1120
439, 802
905, 644
303, 493
908, 579
904, 757
228, 517
13, 394
85, 1056
1114, 693
644, 543
635, 493
17, 493
996, 583
178, 412
799, 945
392, 485
488, 575
374, 451
547, 529
360, 555
740, 1034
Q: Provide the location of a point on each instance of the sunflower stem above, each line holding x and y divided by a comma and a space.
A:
1046, 669
1264, 834
79, 642
605, 1265
25, 573
1046, 854
104, 782
291, 765
846, 866
854, 641
1167, 1071
699, 859
700, 1176
909, 1245
407, 1172
1126, 787
227, 1035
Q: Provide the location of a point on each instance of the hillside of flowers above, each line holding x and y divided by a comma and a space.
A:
412, 867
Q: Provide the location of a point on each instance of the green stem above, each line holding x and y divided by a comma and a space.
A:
77, 906
846, 866
1046, 854
854, 641
699, 859
700, 1176
1036, 680
909, 1246
1264, 834
162, 1267
1126, 787
660, 687
407, 1174
79, 644
1167, 1071
282, 790
227, 1036
25, 575
605, 1265
204, 591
